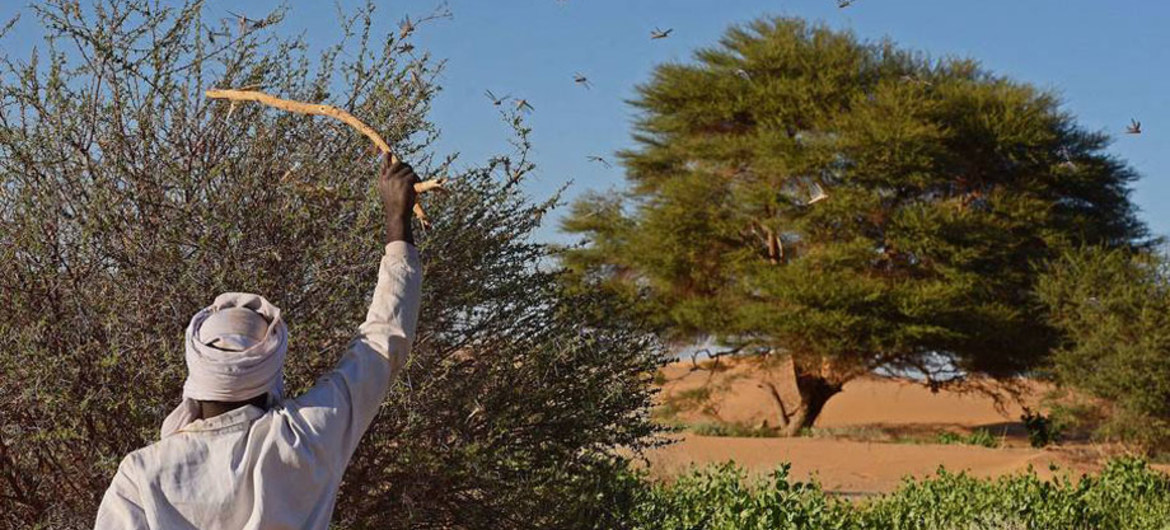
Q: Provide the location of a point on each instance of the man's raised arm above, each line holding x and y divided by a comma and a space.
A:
393, 314
341, 405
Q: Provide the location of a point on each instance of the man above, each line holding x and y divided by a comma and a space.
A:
235, 454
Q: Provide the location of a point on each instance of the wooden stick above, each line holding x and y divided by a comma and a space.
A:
428, 185
332, 112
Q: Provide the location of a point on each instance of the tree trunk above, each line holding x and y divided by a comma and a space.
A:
782, 410
815, 390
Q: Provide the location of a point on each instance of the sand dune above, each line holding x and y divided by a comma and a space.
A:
869, 409
737, 394
851, 467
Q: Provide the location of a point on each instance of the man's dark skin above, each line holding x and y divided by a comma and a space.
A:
396, 186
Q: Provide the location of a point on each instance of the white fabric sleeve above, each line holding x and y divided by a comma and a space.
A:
121, 507
335, 413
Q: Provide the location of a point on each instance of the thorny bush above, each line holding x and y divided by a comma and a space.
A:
128, 201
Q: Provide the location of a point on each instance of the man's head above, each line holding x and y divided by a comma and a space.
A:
232, 329
235, 355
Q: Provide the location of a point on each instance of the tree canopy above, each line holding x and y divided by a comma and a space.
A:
850, 206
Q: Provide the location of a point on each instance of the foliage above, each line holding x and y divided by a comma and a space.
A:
980, 437
128, 200
945, 184
858, 433
732, 429
948, 437
1126, 494
1042, 429
721, 498
1113, 309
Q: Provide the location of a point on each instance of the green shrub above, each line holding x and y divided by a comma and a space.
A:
1113, 310
1042, 430
1127, 494
860, 433
733, 429
980, 437
721, 498
948, 438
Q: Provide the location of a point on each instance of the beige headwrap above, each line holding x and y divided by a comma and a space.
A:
231, 356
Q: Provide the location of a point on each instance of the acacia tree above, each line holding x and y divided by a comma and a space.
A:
128, 201
849, 206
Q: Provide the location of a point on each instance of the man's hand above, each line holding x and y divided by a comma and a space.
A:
396, 186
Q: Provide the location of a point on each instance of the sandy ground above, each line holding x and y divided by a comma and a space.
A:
858, 468
844, 457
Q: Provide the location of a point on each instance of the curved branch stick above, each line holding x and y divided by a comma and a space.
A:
304, 108
428, 185
329, 111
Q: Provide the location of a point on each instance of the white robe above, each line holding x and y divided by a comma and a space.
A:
281, 468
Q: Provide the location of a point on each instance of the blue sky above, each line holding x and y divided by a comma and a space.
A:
1107, 59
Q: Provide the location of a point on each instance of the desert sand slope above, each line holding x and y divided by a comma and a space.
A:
738, 395
853, 453
849, 467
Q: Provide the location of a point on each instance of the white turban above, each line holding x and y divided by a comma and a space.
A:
231, 356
